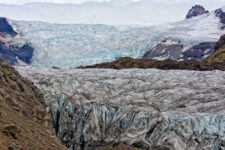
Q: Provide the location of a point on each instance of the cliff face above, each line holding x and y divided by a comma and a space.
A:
24, 124
12, 47
5, 27
196, 10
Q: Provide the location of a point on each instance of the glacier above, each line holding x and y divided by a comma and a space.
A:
72, 45
181, 110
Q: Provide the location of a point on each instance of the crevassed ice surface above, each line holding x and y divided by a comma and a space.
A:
183, 110
68, 46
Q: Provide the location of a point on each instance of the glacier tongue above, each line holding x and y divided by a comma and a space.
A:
144, 108
69, 46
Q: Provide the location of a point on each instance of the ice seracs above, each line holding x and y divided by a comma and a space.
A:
139, 107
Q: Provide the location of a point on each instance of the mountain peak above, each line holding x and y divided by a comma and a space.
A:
196, 10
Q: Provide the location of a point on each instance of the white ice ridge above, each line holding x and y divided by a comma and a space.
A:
150, 107
69, 46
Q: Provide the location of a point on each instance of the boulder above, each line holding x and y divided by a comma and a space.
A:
12, 130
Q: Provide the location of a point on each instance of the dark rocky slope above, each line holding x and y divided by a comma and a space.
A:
11, 49
176, 50
24, 124
195, 11
5, 27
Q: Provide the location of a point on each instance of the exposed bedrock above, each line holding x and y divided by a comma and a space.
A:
13, 49
13, 54
166, 49
195, 11
173, 49
142, 108
199, 51
221, 14
5, 27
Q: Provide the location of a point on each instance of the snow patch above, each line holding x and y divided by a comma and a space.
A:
170, 42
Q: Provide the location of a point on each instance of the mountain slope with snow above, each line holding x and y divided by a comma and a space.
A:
73, 45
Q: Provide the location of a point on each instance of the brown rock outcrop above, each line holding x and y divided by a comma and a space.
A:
24, 124
217, 59
11, 130
220, 43
127, 62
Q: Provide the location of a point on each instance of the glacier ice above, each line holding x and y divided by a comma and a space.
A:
140, 107
72, 45
223, 8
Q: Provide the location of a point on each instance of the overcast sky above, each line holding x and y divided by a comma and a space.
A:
102, 11
117, 1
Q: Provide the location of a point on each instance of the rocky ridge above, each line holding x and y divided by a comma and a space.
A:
24, 124
167, 64
195, 11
